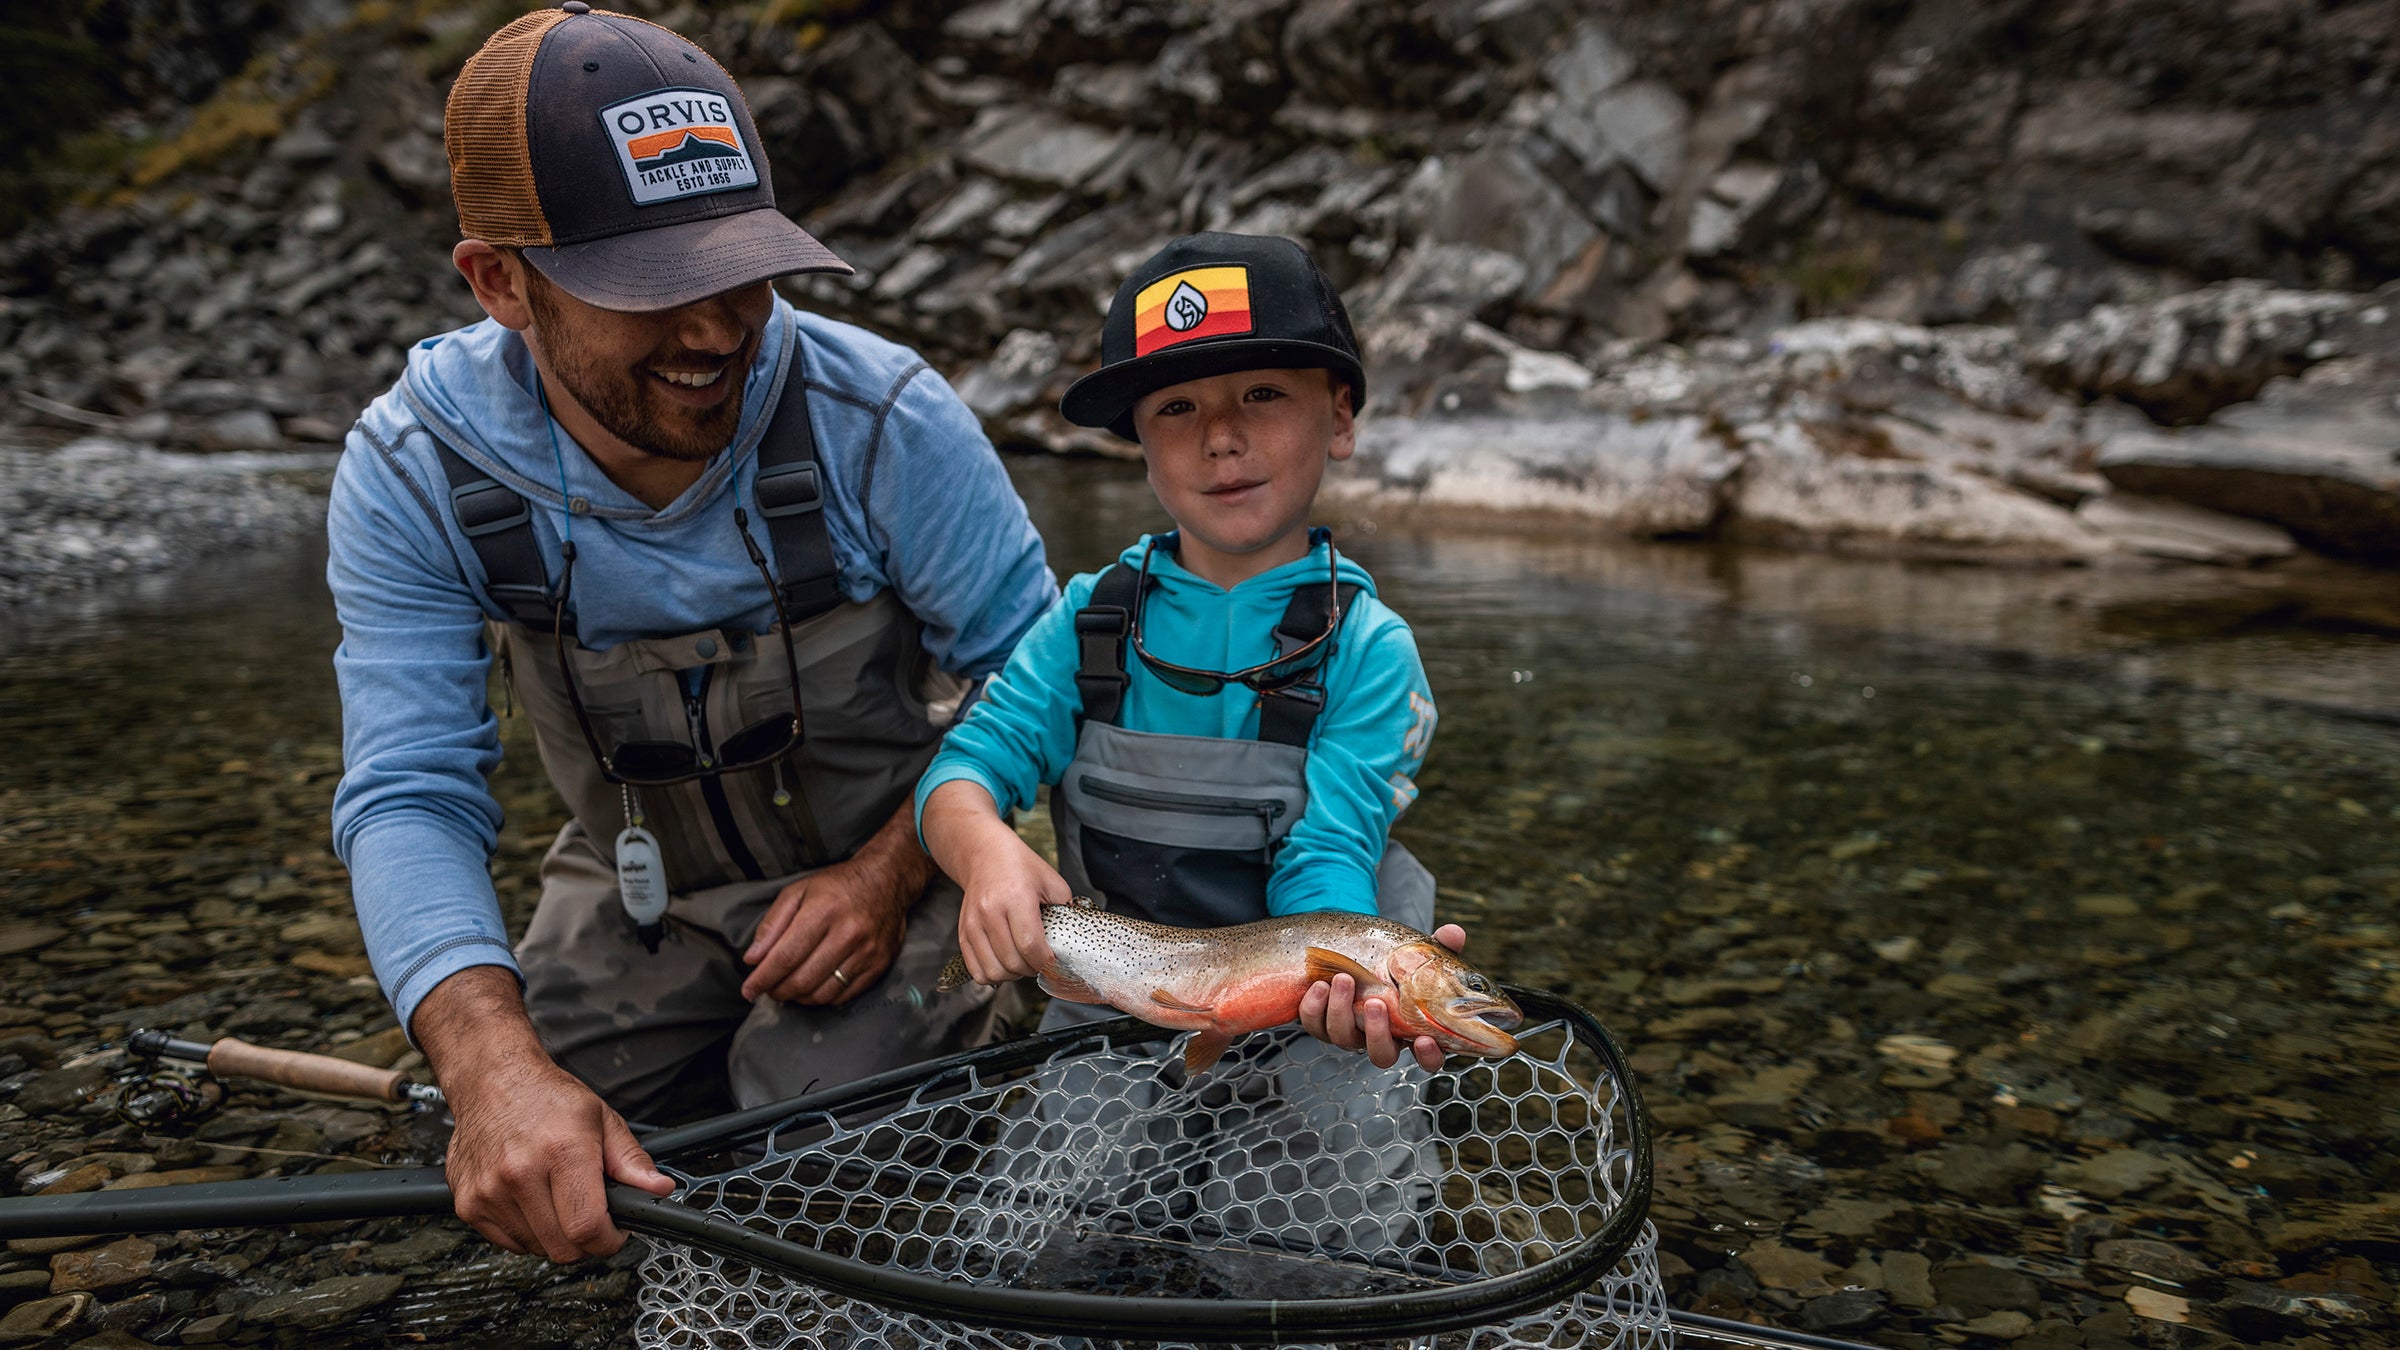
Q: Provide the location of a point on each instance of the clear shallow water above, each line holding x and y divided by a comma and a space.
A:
2120, 848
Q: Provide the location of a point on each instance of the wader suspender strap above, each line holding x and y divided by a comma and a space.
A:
791, 496
1103, 626
1100, 631
1287, 716
499, 526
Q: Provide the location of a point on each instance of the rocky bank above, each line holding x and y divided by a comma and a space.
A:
2022, 280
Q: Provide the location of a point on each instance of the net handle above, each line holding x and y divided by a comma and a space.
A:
1239, 1321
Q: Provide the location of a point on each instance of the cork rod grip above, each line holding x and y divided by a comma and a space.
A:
310, 1073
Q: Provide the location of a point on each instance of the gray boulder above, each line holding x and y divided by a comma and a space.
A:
2164, 528
2319, 457
2182, 358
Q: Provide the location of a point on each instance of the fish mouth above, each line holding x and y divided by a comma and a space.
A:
1482, 1025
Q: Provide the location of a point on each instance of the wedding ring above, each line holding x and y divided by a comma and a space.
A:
837, 974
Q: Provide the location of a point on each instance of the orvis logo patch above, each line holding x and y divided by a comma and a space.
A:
679, 143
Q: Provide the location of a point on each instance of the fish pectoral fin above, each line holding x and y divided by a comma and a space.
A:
1166, 1000
1202, 1052
1059, 984
1324, 963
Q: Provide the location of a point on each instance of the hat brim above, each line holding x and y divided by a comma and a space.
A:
1105, 398
673, 265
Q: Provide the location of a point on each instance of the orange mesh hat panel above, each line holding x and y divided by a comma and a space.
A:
483, 129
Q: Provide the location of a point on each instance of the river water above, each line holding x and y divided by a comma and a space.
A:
1959, 919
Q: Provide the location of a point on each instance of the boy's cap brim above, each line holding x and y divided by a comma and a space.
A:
1105, 398
672, 265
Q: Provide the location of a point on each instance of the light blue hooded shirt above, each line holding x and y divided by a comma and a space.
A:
1363, 753
916, 503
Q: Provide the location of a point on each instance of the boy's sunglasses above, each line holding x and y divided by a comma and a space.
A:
662, 763
1267, 677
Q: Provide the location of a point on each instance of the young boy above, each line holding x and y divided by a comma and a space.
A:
1228, 717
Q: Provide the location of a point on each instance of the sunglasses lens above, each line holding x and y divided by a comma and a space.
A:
654, 761
1181, 680
759, 742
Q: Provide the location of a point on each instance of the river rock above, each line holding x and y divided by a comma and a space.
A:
1908, 1278
28, 937
1798, 484
121, 1262
326, 1303
1843, 1311
1779, 1267
2182, 358
2164, 528
1975, 1289
1657, 477
2317, 458
61, 1089
2117, 1172
43, 1317
2144, 1256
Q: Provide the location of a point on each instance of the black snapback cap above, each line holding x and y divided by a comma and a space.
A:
1211, 304
621, 159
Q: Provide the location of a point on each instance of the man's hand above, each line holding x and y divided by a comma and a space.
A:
849, 917
1005, 883
533, 1145
1333, 1013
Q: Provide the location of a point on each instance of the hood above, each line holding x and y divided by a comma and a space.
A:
475, 388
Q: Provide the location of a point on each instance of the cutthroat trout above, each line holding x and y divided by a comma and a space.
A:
1221, 982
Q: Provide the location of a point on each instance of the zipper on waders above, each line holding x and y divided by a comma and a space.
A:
1124, 794
712, 788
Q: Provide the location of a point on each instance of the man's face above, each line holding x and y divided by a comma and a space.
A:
1236, 459
668, 383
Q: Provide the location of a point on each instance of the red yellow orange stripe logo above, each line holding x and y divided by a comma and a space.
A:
644, 147
1198, 302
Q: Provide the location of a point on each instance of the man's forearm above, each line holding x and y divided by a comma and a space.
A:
472, 1023
893, 853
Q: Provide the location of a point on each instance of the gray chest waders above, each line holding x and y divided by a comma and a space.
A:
1183, 830
873, 704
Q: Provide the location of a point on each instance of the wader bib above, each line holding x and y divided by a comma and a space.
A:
626, 1019
1183, 830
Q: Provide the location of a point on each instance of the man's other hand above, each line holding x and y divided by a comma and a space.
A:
834, 932
533, 1145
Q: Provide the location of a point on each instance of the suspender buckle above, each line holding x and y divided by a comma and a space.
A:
1109, 621
485, 507
789, 490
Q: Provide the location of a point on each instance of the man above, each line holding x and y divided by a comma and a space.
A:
738, 564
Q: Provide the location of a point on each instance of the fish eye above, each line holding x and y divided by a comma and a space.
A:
1478, 984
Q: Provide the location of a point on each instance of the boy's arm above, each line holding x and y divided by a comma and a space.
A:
1369, 743
1019, 735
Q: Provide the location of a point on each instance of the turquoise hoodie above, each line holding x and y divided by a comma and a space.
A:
1362, 757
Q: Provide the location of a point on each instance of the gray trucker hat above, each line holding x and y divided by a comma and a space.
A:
621, 159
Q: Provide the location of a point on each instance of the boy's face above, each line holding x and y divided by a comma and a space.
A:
1236, 459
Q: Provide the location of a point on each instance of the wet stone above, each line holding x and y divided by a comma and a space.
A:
419, 1248
2142, 1256
1845, 1310
43, 1317
121, 1262
210, 1330
61, 1089
18, 1285
325, 1303
1976, 1288
131, 1314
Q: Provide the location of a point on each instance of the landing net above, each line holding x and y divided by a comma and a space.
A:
1072, 1190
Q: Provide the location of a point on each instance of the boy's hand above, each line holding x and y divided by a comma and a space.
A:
1333, 1013
1006, 883
1000, 922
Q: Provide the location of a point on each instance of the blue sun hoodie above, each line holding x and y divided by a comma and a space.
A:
1363, 754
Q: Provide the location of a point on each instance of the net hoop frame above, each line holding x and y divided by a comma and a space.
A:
1474, 1303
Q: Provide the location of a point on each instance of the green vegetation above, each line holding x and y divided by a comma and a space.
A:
59, 88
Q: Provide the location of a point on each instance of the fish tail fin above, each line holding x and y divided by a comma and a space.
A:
1057, 983
953, 976
1202, 1052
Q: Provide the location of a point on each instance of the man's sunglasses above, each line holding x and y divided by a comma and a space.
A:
662, 763
1267, 677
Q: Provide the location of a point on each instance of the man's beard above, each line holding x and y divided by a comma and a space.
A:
625, 407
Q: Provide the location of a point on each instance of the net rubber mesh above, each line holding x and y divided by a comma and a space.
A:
1292, 1171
